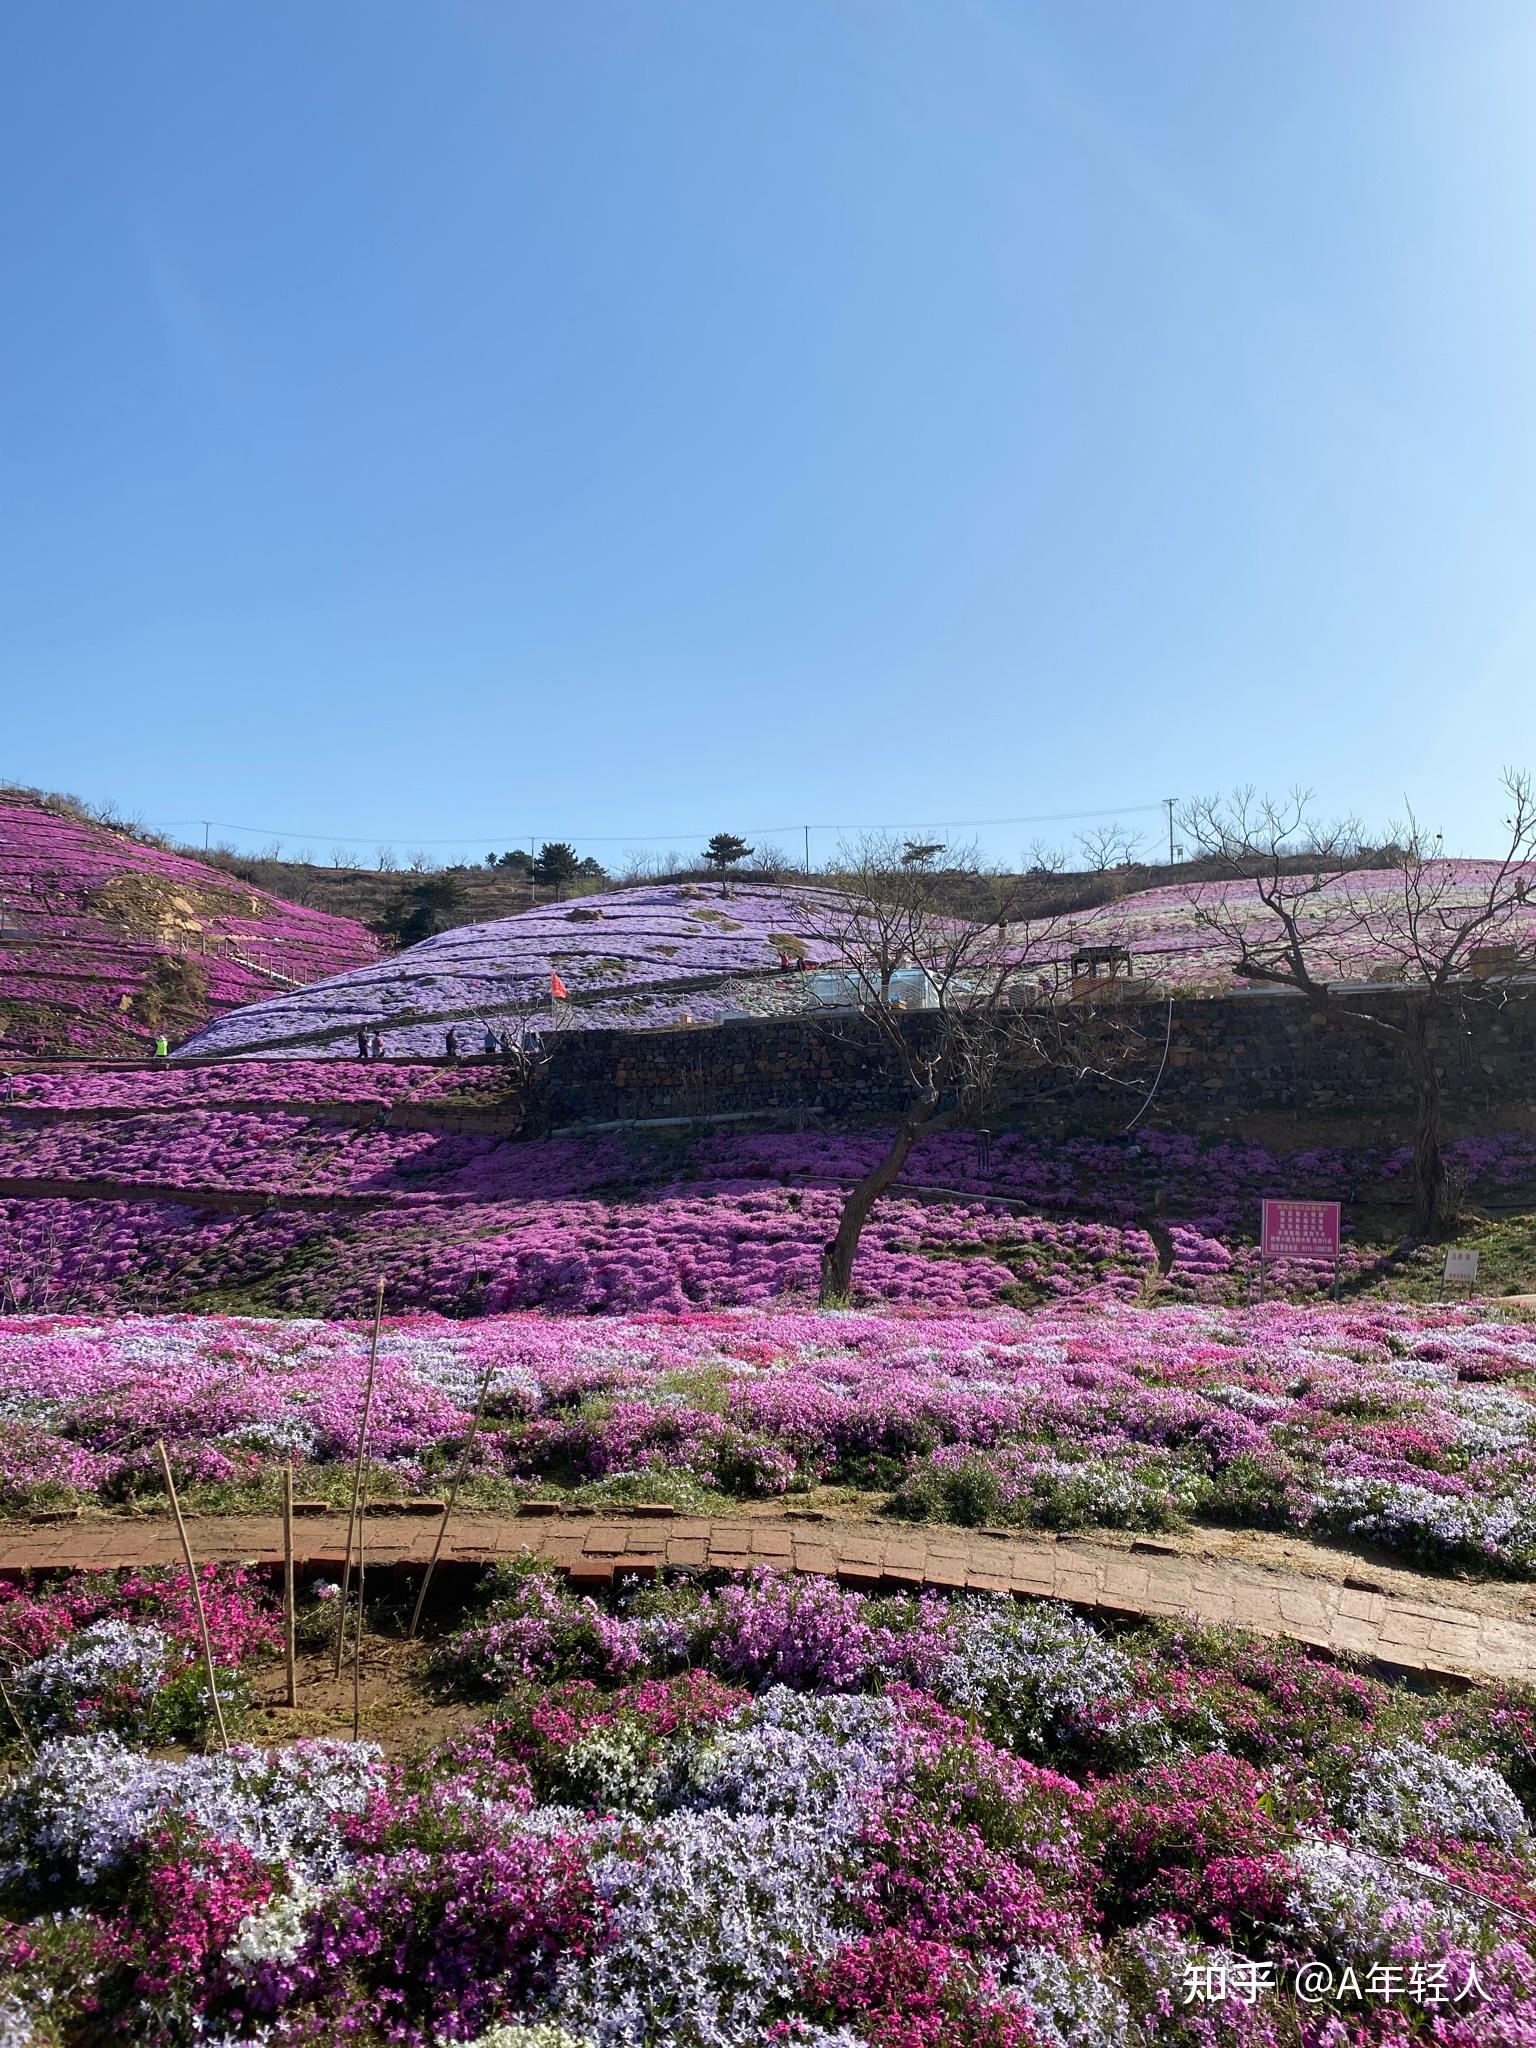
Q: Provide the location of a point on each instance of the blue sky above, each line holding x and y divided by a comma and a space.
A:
608, 419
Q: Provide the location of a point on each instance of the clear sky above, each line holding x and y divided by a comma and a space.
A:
606, 419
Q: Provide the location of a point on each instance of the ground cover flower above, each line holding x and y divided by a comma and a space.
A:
663, 1859
1408, 1793
104, 914
1413, 1425
656, 954
651, 955
475, 1222
122, 1651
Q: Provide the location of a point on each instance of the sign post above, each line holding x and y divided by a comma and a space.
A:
1461, 1264
1299, 1230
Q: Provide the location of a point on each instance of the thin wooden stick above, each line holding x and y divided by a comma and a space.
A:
197, 1593
357, 1478
21, 1727
357, 1640
453, 1494
289, 1625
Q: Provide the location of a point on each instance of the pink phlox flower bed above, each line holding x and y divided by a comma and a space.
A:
706, 1245
1410, 1427
106, 912
1349, 923
616, 952
254, 1085
468, 1221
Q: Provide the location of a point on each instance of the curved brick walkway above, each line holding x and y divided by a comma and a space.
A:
1414, 1630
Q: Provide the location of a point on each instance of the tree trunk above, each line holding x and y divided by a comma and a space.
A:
1429, 1177
837, 1255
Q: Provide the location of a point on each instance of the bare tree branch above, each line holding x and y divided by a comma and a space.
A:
1297, 910
991, 991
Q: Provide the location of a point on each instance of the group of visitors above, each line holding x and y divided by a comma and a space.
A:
798, 964
493, 1045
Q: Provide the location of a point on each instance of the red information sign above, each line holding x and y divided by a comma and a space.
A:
1300, 1230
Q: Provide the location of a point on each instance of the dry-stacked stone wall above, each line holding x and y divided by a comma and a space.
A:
1227, 1056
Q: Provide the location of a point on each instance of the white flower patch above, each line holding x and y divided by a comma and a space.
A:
1358, 1903
1413, 1517
273, 1934
126, 1658
713, 1918
87, 1800
1409, 1793
1070, 2001
807, 1758
1034, 1673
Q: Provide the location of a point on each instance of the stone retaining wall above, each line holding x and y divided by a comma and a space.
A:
1243, 1053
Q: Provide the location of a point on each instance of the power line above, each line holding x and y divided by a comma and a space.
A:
655, 838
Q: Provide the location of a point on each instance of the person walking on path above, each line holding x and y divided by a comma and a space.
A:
488, 1044
452, 1042
376, 1047
162, 1047
362, 1041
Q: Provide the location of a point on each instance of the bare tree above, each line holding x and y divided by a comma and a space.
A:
340, 857
385, 858
1109, 846
1295, 909
1042, 860
990, 991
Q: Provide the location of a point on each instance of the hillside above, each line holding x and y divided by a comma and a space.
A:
1350, 923
691, 952
104, 941
666, 954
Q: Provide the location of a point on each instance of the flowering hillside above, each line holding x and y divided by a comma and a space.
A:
1416, 1427
688, 952
104, 942
1349, 920
649, 956
291, 1184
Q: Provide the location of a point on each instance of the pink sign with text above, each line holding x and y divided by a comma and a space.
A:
1300, 1230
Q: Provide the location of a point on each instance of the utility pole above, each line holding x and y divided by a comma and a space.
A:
807, 849
1170, 801
207, 824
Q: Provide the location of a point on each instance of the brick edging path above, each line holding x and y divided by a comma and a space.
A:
1404, 1622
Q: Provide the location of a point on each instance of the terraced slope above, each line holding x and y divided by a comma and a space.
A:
1350, 922
104, 943
672, 953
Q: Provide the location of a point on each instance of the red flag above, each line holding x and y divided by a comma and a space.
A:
557, 987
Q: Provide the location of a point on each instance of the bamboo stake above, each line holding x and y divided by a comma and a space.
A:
289, 1629
197, 1593
21, 1729
10, 1705
357, 1477
357, 1640
453, 1494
